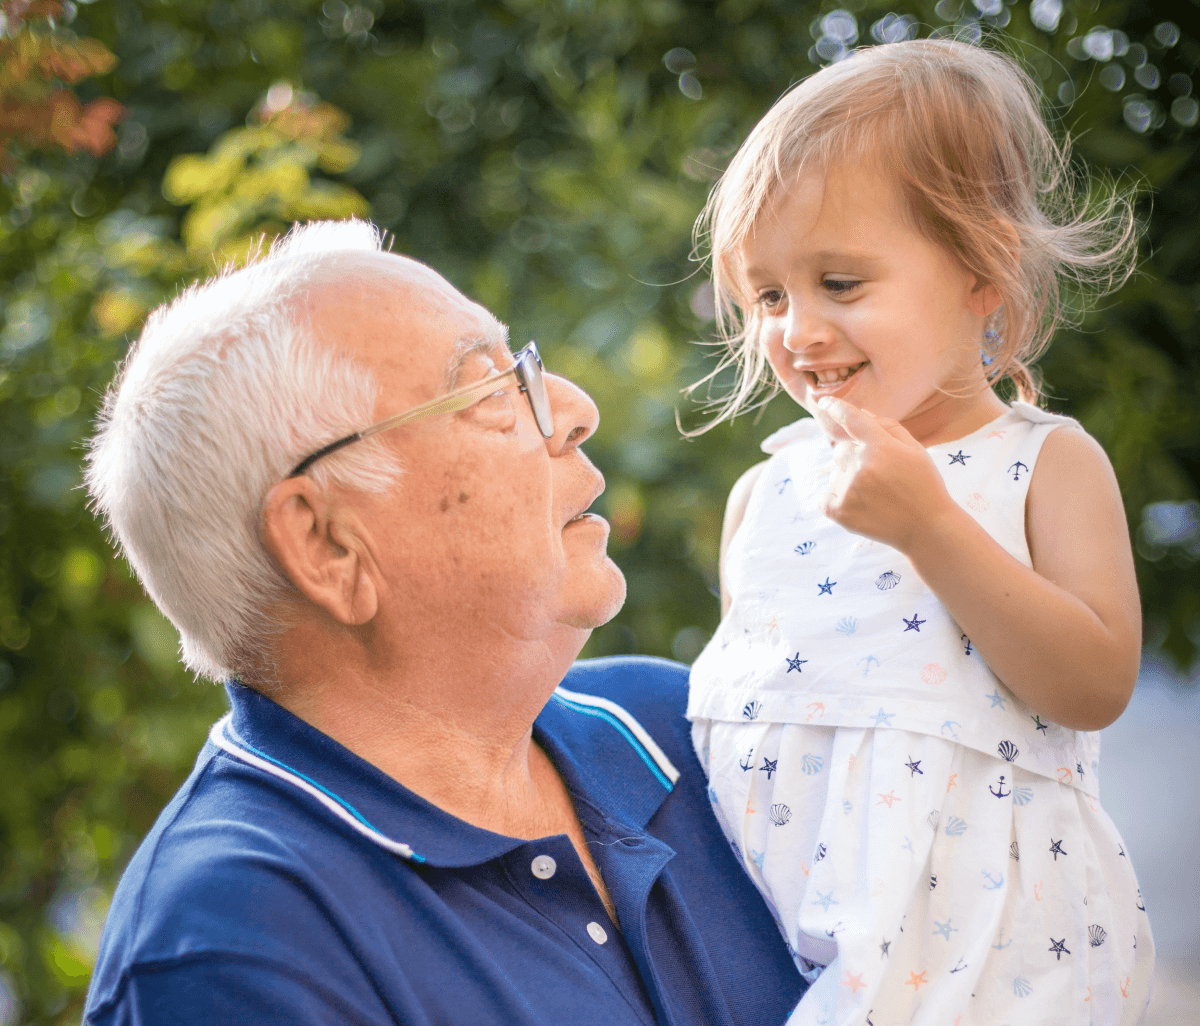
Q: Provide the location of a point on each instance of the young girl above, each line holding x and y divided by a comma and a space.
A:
929, 597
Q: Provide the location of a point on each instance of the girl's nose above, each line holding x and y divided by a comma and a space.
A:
805, 328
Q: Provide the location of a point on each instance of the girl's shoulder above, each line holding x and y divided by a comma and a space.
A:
805, 427
1036, 415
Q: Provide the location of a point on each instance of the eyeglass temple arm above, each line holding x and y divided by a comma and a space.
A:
443, 404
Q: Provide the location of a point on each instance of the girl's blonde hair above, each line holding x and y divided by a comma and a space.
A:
961, 128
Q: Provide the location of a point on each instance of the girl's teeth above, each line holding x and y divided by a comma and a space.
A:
832, 376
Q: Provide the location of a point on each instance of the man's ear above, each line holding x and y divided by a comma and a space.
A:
326, 560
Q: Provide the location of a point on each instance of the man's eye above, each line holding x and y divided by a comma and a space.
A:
840, 286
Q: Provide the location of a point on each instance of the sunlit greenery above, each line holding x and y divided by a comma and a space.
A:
549, 157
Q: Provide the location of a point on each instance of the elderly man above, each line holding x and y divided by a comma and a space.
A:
417, 810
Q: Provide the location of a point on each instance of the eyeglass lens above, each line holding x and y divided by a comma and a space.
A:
530, 368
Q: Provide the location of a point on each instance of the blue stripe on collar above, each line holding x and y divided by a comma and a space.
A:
223, 736
628, 727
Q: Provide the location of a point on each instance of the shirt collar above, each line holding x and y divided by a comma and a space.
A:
604, 756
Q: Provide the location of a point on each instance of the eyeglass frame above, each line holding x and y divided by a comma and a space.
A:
527, 368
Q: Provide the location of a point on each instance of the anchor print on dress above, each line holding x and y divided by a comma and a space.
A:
1001, 943
959, 457
968, 650
887, 581
867, 662
1016, 470
781, 485
959, 966
998, 790
747, 763
993, 883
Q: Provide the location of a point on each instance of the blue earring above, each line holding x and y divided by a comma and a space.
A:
991, 339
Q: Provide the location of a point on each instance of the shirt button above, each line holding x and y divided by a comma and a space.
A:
544, 867
597, 933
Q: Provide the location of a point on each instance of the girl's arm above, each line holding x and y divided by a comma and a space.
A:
735, 510
1065, 637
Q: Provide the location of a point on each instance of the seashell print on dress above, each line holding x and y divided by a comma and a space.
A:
932, 674
887, 580
1008, 751
978, 503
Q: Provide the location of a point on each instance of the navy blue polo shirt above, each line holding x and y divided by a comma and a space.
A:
290, 881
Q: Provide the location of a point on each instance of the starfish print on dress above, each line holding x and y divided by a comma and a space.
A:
1056, 848
915, 980
1037, 722
997, 699
1059, 948
883, 947
825, 900
827, 587
853, 982
889, 798
883, 719
781, 485
773, 623
914, 766
945, 929
952, 782
912, 625
795, 664
958, 457
768, 767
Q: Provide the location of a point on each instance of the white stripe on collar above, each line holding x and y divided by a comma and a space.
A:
234, 746
635, 728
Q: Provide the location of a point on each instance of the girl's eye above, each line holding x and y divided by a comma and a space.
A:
840, 286
769, 299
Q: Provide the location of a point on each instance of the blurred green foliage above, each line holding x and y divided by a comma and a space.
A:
548, 158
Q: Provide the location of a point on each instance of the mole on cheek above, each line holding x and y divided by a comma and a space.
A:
445, 504
462, 496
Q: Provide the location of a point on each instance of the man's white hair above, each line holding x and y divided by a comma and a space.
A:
223, 394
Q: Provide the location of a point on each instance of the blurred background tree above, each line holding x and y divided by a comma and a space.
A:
548, 158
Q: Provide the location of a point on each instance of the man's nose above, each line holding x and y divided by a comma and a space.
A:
805, 327
575, 415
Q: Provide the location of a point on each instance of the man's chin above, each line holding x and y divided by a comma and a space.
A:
602, 603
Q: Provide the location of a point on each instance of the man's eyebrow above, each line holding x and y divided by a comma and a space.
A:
468, 346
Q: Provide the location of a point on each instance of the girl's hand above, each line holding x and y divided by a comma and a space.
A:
884, 485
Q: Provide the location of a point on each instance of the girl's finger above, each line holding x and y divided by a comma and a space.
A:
859, 424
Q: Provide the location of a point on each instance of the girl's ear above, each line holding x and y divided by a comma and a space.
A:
985, 299
318, 550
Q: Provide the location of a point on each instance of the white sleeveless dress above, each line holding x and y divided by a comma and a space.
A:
931, 841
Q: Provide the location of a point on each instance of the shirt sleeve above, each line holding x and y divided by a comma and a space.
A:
233, 990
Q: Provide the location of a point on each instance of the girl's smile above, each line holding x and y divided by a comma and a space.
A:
852, 301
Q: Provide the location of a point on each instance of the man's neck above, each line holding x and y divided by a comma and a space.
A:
452, 724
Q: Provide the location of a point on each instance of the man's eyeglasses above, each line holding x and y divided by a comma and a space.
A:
526, 368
